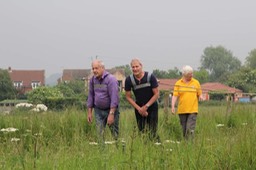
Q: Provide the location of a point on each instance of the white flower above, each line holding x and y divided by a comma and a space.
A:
10, 129
38, 134
35, 110
220, 125
24, 105
244, 124
169, 150
15, 139
93, 143
171, 141
110, 142
157, 143
41, 107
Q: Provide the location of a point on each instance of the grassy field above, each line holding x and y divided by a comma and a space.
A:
225, 139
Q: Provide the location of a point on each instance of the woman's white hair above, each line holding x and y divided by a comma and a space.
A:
187, 69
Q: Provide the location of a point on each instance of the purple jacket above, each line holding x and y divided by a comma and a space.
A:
103, 93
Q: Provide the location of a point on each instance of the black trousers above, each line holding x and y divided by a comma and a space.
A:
149, 123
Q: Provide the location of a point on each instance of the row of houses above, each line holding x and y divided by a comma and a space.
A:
26, 80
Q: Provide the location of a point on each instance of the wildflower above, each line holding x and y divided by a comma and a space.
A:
38, 134
93, 143
123, 141
15, 139
10, 129
28, 105
171, 141
244, 124
41, 107
35, 110
157, 143
220, 125
110, 142
169, 150
28, 130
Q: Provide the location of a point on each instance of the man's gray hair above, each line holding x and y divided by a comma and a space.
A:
136, 60
101, 64
187, 69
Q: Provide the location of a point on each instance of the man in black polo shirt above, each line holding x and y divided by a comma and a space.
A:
145, 89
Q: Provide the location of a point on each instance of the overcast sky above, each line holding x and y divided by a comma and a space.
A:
58, 34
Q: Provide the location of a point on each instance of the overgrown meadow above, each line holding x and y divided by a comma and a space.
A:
225, 139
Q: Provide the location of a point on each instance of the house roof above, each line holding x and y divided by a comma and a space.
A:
215, 86
27, 76
74, 74
79, 74
166, 84
114, 70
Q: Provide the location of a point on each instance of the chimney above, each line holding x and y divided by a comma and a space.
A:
9, 69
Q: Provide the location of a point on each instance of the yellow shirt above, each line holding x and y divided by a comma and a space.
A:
187, 94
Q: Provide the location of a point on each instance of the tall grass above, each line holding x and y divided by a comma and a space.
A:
225, 139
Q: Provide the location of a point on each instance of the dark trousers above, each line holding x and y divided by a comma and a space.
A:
188, 124
148, 123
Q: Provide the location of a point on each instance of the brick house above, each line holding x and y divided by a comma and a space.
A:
166, 84
220, 88
86, 74
26, 80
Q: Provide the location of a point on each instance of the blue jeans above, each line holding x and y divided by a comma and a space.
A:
101, 117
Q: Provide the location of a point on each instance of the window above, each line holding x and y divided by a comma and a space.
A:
35, 84
18, 84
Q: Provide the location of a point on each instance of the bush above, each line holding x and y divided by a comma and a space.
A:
62, 103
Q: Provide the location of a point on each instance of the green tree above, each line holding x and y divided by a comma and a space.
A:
202, 75
40, 94
160, 73
244, 79
219, 62
7, 90
173, 73
127, 69
250, 60
75, 88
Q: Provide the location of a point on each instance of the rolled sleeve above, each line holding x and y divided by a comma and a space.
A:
113, 93
90, 100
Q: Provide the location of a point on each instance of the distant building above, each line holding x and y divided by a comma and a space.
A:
74, 74
166, 84
85, 75
26, 80
220, 88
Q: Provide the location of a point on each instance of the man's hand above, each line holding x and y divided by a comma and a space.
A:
89, 117
173, 110
143, 111
111, 119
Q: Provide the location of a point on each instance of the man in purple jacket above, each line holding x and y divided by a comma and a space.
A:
103, 97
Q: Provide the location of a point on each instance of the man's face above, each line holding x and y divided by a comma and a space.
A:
97, 70
136, 68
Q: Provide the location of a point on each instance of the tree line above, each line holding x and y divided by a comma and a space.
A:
217, 64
